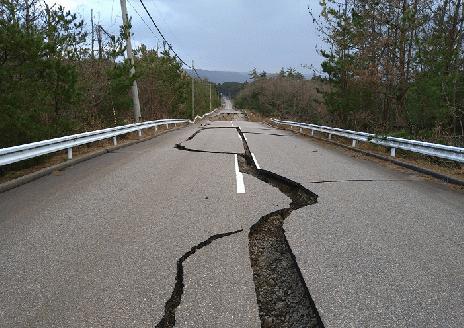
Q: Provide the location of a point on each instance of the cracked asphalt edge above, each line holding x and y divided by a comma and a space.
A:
283, 298
282, 295
170, 307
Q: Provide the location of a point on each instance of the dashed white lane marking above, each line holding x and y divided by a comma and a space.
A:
244, 136
239, 178
256, 162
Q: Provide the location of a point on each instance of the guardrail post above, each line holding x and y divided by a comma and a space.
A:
393, 152
156, 128
167, 125
312, 132
330, 136
353, 143
66, 144
301, 130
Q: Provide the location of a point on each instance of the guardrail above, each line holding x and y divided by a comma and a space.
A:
203, 116
19, 153
421, 147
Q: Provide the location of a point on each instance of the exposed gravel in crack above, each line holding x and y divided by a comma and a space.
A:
283, 297
169, 318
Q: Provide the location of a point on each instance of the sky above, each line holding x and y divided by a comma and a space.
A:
227, 35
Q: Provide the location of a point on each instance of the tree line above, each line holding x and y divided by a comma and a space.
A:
393, 66
396, 65
285, 95
52, 83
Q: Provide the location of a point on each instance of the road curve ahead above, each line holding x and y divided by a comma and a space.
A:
231, 224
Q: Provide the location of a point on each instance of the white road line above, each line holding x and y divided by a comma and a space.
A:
240, 137
256, 162
244, 136
239, 178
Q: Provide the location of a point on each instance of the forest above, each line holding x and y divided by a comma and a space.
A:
285, 95
393, 66
61, 75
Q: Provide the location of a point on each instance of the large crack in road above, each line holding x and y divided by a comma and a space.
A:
282, 295
169, 318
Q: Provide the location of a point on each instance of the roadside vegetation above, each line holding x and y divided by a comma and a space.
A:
52, 83
230, 89
391, 67
285, 95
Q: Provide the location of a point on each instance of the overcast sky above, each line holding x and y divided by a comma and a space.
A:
231, 35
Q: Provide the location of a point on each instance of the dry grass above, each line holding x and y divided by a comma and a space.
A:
255, 117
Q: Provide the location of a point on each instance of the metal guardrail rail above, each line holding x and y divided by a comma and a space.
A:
203, 116
19, 153
421, 147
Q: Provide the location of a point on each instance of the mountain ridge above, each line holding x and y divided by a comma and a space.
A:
221, 76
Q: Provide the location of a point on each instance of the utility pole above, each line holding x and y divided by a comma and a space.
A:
193, 92
130, 56
28, 16
210, 104
99, 40
93, 29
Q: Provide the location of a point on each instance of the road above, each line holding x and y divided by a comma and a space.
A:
203, 234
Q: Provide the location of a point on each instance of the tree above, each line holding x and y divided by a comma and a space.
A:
50, 85
394, 65
37, 80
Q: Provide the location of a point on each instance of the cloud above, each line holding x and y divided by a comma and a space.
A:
228, 34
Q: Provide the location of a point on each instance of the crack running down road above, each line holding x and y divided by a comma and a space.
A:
282, 295
169, 318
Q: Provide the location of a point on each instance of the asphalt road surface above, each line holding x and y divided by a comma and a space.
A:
152, 233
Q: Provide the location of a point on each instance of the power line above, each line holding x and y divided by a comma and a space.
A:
169, 45
173, 36
143, 20
107, 33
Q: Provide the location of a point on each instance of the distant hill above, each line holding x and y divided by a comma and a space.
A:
225, 76
221, 76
